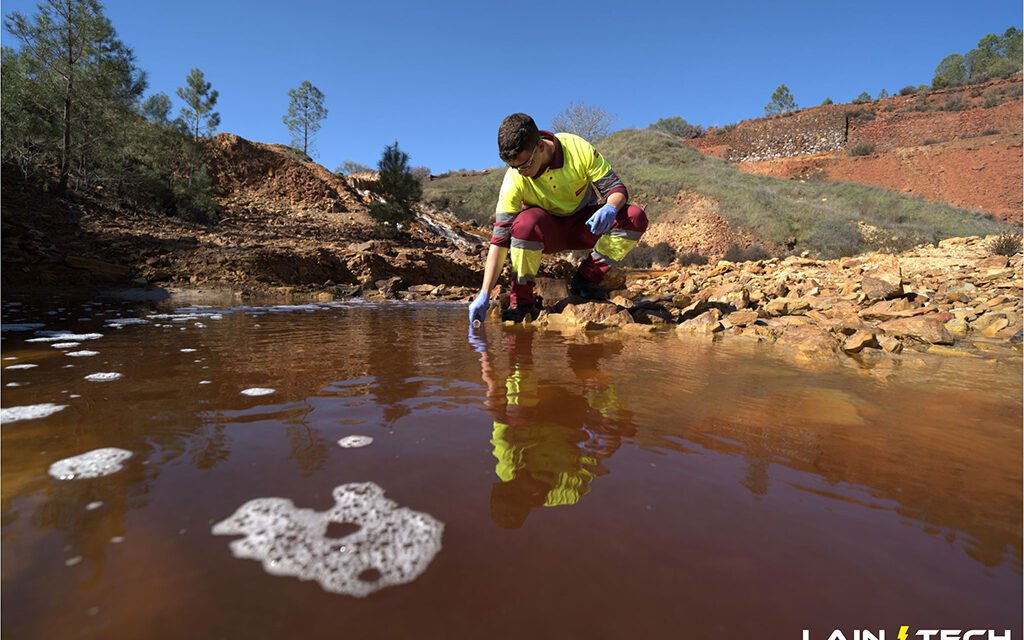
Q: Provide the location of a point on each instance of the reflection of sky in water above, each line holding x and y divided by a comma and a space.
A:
677, 476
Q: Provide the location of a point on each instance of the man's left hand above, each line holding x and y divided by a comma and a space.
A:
601, 222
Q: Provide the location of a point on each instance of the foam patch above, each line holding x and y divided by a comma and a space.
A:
30, 412
254, 391
121, 322
64, 336
93, 464
21, 366
103, 377
354, 442
81, 354
65, 345
393, 545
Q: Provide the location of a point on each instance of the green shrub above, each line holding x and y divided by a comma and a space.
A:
753, 253
725, 128
1006, 244
990, 132
920, 104
863, 115
834, 238
955, 103
863, 149
826, 101
862, 98
689, 258
991, 99
679, 127
908, 90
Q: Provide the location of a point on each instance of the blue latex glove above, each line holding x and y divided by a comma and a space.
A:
601, 222
478, 308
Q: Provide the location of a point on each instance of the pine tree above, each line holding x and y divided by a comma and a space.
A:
305, 111
782, 102
398, 186
75, 83
198, 114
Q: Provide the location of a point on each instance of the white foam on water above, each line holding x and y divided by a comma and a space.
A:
20, 326
258, 391
200, 325
70, 562
354, 442
13, 384
216, 316
92, 464
205, 382
30, 412
74, 395
122, 322
81, 354
92, 506
117, 540
65, 345
103, 377
58, 336
188, 350
11, 358
68, 366
394, 544
21, 366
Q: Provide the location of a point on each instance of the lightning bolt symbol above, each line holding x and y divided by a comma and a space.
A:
902, 635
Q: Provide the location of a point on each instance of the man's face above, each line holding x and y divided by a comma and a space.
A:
527, 161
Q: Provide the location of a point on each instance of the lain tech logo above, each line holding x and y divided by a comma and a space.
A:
905, 633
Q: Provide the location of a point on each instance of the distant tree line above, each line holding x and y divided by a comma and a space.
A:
995, 57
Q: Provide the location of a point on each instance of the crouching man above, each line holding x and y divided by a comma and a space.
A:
549, 202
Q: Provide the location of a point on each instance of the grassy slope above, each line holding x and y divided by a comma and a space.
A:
820, 216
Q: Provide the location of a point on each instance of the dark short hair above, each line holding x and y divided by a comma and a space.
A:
517, 132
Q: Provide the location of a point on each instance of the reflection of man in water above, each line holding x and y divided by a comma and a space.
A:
549, 439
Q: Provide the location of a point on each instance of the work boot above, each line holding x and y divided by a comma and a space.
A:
519, 312
580, 286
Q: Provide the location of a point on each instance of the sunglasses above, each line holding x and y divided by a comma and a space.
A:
529, 161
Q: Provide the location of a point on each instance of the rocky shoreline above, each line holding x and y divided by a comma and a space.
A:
955, 298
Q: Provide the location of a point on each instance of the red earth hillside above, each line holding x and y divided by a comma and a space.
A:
958, 146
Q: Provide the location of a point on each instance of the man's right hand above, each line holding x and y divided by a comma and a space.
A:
478, 308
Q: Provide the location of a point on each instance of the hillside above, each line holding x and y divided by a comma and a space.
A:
959, 146
703, 204
286, 224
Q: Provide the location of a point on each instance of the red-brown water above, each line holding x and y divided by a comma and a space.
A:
590, 486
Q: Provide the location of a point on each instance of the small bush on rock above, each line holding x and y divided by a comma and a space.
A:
645, 257
691, 258
864, 149
834, 238
753, 253
1006, 244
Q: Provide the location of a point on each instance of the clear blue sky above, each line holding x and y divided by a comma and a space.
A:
440, 76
